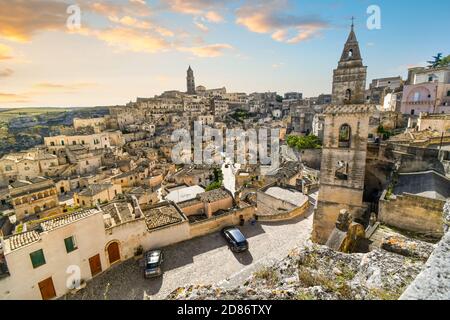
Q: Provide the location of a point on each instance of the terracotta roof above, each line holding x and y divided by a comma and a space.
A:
120, 211
214, 195
94, 189
66, 219
161, 216
22, 239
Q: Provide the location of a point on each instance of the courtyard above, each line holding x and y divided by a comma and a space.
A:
204, 260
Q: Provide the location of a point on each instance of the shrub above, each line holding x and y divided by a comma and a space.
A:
267, 274
306, 142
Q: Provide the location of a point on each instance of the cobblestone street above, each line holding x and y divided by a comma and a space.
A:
204, 260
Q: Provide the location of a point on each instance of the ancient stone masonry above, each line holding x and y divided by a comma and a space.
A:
190, 81
343, 166
346, 124
349, 79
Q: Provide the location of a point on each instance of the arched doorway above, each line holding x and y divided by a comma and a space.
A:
113, 252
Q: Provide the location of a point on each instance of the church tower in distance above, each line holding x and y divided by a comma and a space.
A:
190, 81
349, 79
345, 139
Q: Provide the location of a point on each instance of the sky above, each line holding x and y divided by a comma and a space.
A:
123, 49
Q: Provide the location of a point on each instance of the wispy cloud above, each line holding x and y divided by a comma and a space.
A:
268, 17
13, 98
5, 52
128, 39
4, 73
20, 20
208, 51
208, 9
64, 86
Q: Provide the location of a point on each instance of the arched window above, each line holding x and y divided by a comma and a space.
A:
348, 95
350, 53
344, 136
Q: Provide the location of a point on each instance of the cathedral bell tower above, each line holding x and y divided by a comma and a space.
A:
344, 150
349, 79
190, 81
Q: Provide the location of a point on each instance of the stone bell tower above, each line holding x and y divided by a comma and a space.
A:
349, 79
344, 144
190, 81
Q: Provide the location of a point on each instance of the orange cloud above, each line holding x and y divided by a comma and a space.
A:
5, 52
206, 9
65, 87
208, 51
267, 17
4, 73
127, 39
13, 98
20, 20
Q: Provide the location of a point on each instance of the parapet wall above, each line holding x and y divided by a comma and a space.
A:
414, 213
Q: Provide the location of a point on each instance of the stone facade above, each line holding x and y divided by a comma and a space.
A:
346, 130
349, 79
343, 166
190, 81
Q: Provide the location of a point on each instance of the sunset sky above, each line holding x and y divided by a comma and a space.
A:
130, 48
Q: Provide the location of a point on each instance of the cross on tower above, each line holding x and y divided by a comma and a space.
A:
353, 22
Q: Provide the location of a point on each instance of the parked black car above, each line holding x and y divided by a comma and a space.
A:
153, 264
236, 240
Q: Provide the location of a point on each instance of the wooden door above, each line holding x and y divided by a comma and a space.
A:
47, 289
113, 252
95, 264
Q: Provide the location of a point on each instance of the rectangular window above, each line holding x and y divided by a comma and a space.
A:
37, 258
70, 244
448, 93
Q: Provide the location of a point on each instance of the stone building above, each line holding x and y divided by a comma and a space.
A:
346, 130
435, 122
190, 81
96, 194
349, 79
36, 197
428, 90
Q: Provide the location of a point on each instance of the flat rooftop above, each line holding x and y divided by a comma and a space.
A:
291, 196
428, 184
184, 194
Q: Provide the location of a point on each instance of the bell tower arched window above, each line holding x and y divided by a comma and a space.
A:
350, 53
348, 95
344, 136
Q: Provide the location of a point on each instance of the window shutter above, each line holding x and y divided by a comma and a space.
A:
37, 258
70, 244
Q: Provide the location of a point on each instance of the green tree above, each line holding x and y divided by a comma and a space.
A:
218, 180
436, 61
445, 62
306, 142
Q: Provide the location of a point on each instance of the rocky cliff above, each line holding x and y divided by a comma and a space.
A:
318, 272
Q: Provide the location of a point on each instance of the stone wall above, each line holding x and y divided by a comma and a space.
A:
412, 213
433, 282
311, 158
283, 216
214, 224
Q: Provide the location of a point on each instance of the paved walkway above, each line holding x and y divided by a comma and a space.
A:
204, 260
